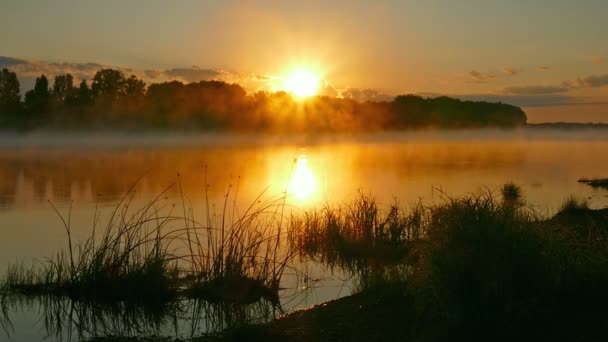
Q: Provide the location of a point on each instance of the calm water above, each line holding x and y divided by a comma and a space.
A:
91, 174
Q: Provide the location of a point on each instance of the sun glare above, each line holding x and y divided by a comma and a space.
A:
303, 183
301, 83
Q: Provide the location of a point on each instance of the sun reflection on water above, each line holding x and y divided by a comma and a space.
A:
303, 183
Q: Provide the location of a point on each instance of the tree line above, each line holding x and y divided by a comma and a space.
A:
114, 100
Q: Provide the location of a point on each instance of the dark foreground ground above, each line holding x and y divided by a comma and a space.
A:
362, 317
389, 317
516, 309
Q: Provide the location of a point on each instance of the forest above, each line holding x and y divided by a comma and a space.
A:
113, 100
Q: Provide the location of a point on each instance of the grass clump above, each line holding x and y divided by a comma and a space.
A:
511, 193
573, 206
239, 257
357, 234
482, 265
477, 265
130, 260
149, 257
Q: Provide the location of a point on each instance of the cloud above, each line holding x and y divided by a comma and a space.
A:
479, 77
28, 70
536, 90
261, 77
364, 95
597, 60
9, 61
592, 81
595, 80
328, 90
512, 71
152, 74
194, 74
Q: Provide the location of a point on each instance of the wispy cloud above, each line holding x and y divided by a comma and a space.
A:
512, 71
597, 60
28, 70
591, 81
365, 94
536, 89
480, 77
595, 80
193, 74
9, 61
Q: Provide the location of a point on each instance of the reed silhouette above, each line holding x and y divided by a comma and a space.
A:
477, 266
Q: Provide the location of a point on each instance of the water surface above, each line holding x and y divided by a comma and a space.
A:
84, 175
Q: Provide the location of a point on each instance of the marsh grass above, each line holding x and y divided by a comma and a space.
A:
237, 256
357, 234
498, 267
481, 260
129, 260
481, 257
153, 255
484, 261
572, 205
511, 193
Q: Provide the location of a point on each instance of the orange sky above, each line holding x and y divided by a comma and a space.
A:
548, 56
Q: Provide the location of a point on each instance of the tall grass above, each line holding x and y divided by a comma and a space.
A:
130, 259
356, 233
236, 256
151, 254
480, 259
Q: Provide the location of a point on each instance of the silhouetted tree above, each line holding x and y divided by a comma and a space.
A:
85, 95
37, 99
9, 96
134, 87
114, 100
108, 84
63, 89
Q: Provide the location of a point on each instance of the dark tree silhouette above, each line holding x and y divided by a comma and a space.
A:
9, 97
63, 89
119, 102
37, 100
108, 84
85, 94
134, 87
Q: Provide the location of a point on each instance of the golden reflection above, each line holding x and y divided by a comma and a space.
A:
303, 183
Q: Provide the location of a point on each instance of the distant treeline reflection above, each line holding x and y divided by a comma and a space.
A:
113, 100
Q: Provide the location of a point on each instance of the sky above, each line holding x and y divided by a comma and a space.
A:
549, 56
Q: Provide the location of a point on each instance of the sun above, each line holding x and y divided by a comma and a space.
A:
301, 82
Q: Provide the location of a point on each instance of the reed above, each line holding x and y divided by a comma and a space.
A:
239, 257
151, 254
358, 233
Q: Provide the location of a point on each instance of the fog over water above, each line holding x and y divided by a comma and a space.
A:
88, 171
